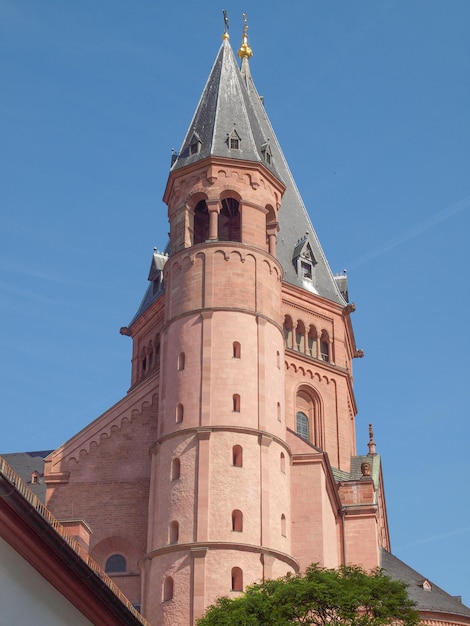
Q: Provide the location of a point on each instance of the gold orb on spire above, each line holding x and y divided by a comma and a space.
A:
245, 52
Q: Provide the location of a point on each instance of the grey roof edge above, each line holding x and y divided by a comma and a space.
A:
435, 600
290, 181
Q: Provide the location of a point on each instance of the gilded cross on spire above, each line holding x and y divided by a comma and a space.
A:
245, 52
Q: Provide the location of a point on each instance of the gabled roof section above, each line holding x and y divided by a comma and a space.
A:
224, 112
25, 464
428, 597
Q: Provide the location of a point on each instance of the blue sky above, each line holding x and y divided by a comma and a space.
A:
370, 101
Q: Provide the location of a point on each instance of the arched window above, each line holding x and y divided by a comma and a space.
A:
325, 346
181, 361
309, 423
283, 463
300, 336
143, 362
237, 456
237, 579
283, 525
201, 222
116, 563
302, 426
312, 341
157, 351
288, 328
168, 589
237, 350
175, 469
278, 411
150, 355
174, 531
179, 413
237, 521
229, 220
236, 403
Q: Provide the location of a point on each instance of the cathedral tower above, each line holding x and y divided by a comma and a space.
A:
232, 458
221, 430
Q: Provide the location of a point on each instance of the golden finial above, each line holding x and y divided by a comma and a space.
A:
225, 35
245, 52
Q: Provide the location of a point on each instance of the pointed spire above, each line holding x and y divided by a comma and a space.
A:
225, 123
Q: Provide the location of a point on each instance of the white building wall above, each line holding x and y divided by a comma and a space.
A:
28, 598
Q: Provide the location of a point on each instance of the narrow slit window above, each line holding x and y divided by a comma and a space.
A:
168, 586
175, 469
237, 579
237, 350
174, 532
236, 403
237, 521
179, 413
237, 456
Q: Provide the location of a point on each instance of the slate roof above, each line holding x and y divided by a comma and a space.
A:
224, 108
355, 473
294, 221
434, 599
24, 464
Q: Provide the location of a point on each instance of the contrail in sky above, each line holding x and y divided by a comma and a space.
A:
435, 219
433, 538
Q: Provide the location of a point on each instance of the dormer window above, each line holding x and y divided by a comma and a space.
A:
156, 271
306, 268
194, 145
304, 261
233, 140
266, 152
156, 284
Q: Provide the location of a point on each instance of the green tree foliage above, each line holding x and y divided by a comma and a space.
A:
347, 596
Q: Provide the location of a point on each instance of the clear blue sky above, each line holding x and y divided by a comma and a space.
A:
370, 100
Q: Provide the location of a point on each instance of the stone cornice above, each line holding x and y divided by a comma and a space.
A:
222, 545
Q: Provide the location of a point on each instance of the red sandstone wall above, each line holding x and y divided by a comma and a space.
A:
108, 487
330, 383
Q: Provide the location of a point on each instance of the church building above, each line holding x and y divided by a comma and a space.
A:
232, 458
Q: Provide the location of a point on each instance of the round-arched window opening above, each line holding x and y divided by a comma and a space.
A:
116, 563
302, 425
229, 220
201, 222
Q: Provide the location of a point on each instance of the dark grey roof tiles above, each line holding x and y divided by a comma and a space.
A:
25, 464
224, 110
434, 599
